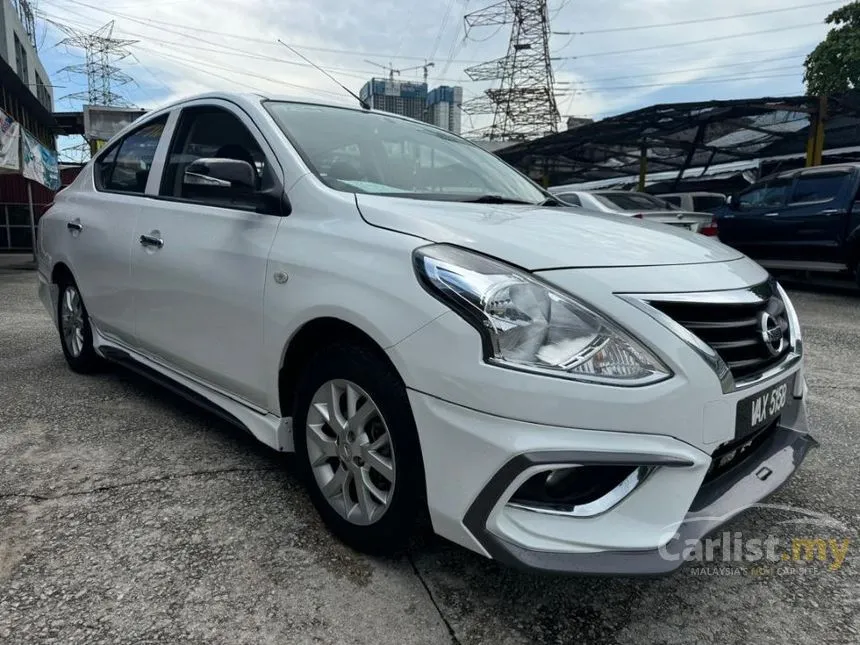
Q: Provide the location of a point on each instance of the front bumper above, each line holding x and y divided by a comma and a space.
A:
645, 534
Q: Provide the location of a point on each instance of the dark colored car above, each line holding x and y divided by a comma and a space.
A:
800, 220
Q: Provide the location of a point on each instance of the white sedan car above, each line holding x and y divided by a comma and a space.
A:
638, 205
430, 333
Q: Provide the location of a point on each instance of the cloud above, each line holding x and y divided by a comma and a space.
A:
184, 49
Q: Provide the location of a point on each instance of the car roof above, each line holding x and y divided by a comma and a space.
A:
256, 98
842, 167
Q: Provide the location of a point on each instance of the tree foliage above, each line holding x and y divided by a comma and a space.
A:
834, 66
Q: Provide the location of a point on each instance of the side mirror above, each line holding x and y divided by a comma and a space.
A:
232, 175
733, 201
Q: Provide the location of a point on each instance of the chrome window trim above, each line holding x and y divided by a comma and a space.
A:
749, 295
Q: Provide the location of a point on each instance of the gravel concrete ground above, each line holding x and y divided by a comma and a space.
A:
129, 516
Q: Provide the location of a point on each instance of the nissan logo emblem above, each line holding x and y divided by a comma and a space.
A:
771, 333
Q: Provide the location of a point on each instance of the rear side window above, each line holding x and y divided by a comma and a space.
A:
125, 168
570, 198
818, 187
675, 200
707, 202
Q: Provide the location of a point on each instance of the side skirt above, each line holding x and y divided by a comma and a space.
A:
275, 432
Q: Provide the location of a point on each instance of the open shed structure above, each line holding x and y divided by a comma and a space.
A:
681, 136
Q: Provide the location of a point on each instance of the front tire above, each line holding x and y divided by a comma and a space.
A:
76, 336
358, 450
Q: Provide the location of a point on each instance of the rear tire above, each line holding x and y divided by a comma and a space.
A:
76, 335
357, 449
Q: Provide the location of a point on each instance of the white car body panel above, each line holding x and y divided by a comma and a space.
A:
216, 308
540, 238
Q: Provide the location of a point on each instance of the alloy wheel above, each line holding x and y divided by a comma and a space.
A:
350, 451
72, 320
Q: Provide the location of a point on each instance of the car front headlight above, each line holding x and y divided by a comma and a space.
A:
528, 325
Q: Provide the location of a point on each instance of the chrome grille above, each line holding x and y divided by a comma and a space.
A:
735, 330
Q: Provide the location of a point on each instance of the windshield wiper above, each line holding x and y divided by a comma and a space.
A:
495, 199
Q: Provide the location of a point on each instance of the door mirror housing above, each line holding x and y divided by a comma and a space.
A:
234, 176
733, 201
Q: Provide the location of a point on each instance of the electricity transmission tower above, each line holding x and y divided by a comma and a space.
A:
101, 51
523, 106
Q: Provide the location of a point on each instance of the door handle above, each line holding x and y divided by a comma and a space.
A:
151, 240
830, 211
771, 215
75, 226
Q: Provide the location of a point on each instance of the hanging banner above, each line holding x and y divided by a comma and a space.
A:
10, 144
39, 163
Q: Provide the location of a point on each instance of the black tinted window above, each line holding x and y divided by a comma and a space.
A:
104, 167
707, 202
675, 200
818, 187
766, 195
129, 170
570, 198
210, 132
633, 201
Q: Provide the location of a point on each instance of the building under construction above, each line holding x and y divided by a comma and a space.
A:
443, 108
404, 98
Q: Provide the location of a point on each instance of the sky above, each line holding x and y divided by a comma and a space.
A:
609, 56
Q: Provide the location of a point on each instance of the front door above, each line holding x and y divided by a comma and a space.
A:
751, 224
200, 267
812, 224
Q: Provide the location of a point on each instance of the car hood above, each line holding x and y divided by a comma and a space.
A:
535, 237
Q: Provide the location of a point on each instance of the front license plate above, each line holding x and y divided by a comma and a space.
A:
759, 410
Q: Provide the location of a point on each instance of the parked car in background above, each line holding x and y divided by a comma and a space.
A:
799, 220
639, 205
557, 389
699, 202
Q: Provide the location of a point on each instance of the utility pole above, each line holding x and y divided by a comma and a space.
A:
523, 106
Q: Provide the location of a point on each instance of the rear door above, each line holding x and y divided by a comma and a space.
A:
100, 225
199, 271
812, 225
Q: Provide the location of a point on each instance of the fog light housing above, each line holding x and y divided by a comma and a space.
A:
579, 490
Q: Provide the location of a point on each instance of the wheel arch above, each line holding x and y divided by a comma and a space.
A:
61, 272
311, 337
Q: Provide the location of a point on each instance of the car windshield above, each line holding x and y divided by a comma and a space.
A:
633, 202
369, 152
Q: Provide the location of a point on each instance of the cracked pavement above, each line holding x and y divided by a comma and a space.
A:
129, 516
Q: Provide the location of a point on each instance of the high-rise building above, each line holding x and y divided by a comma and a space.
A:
400, 97
443, 107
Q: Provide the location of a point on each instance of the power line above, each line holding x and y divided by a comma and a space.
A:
731, 79
697, 20
688, 42
667, 72
225, 49
442, 27
161, 24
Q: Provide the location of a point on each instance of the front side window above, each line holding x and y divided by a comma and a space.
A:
210, 132
818, 187
125, 168
766, 195
368, 152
